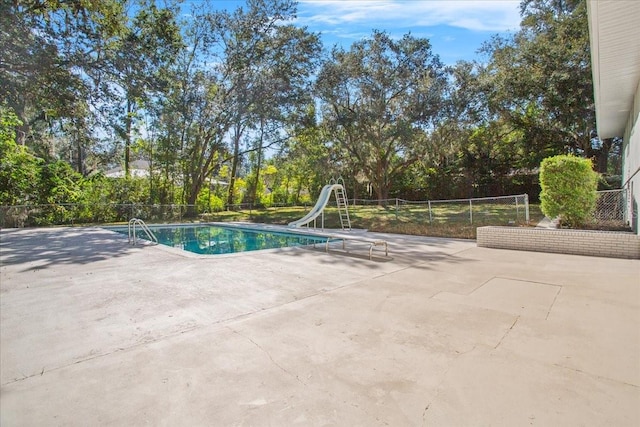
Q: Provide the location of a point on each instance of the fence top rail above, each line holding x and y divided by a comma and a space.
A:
473, 199
175, 205
375, 200
617, 190
241, 205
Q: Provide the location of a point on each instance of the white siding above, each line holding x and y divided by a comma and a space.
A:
631, 161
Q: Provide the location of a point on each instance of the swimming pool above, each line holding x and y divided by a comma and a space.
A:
207, 239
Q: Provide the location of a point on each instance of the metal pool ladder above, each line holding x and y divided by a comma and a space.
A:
133, 222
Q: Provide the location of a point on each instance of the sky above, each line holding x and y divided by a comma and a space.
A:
456, 28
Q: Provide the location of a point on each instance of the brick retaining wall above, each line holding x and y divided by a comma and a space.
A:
576, 242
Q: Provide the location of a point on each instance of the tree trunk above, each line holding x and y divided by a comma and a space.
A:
79, 159
127, 139
234, 164
602, 155
191, 200
259, 164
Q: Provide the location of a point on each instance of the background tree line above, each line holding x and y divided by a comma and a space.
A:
243, 106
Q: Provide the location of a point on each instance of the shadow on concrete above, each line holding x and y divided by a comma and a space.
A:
404, 251
50, 246
46, 247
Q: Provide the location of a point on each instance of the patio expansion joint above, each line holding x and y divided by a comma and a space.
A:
481, 285
555, 298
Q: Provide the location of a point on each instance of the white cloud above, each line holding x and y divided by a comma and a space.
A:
475, 15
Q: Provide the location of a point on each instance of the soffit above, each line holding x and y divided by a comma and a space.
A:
614, 27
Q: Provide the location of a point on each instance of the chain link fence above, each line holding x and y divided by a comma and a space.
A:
501, 210
489, 210
77, 213
611, 208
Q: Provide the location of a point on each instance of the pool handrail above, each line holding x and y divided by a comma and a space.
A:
132, 231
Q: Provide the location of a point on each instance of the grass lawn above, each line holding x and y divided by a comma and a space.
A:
444, 220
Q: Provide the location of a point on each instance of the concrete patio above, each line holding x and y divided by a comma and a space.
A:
441, 333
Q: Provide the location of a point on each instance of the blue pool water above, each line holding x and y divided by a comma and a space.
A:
214, 240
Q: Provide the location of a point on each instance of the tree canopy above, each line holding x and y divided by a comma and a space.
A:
227, 106
379, 100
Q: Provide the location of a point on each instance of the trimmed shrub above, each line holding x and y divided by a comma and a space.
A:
569, 189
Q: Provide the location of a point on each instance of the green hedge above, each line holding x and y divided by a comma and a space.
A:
569, 189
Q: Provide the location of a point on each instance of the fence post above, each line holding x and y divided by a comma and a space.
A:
430, 218
526, 208
396, 208
470, 212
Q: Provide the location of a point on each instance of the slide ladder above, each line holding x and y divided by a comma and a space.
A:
343, 206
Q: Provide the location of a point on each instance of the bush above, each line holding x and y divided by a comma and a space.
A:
208, 202
569, 189
19, 169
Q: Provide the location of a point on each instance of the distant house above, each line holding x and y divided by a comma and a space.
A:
137, 169
614, 28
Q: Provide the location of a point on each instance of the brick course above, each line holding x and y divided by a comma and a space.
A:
575, 242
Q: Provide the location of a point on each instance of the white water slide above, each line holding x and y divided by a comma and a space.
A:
321, 204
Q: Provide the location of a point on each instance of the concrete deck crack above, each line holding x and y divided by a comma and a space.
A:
100, 355
507, 332
217, 323
444, 378
553, 303
599, 377
268, 355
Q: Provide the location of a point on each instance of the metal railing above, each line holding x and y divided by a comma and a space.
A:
133, 238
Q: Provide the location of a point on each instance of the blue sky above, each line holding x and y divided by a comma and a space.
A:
456, 28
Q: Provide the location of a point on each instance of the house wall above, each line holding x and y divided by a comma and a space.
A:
631, 162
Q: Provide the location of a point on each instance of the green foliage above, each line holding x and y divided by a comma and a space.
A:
59, 183
53, 66
378, 98
569, 187
539, 80
240, 187
59, 186
215, 93
19, 169
209, 202
266, 200
98, 192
